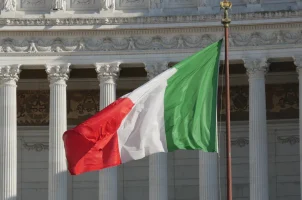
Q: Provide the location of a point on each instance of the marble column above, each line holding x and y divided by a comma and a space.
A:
107, 75
298, 63
208, 176
8, 131
258, 143
158, 172
57, 172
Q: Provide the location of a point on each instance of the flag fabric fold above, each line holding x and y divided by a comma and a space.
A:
175, 110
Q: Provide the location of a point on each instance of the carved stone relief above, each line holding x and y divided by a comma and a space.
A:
136, 42
9, 5
81, 105
282, 102
292, 140
32, 107
240, 142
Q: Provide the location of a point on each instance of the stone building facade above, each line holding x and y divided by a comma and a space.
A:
79, 55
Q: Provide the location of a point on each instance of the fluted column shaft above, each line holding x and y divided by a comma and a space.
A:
107, 75
8, 132
158, 172
298, 63
208, 176
57, 173
258, 143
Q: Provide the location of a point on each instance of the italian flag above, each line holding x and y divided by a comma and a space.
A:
175, 110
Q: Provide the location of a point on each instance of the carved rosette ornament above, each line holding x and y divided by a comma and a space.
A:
107, 72
9, 74
58, 73
156, 68
256, 67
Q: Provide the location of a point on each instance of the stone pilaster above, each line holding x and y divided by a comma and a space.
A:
258, 143
57, 173
59, 5
158, 172
208, 176
107, 75
298, 63
8, 131
9, 5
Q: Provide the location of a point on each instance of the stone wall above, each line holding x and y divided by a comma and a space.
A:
182, 167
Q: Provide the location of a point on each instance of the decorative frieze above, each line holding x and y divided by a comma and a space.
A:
10, 5
135, 43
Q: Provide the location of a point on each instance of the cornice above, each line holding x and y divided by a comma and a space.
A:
99, 21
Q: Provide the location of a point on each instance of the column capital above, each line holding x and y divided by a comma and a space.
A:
9, 74
107, 71
155, 68
298, 63
256, 67
57, 73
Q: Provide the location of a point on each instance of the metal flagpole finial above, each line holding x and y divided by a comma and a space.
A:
226, 5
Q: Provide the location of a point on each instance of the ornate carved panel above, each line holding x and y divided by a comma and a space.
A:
34, 4
81, 105
83, 4
32, 107
282, 102
181, 3
239, 103
131, 4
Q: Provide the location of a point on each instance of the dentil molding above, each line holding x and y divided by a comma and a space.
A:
43, 21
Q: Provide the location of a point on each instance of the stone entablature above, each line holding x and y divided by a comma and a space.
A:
42, 43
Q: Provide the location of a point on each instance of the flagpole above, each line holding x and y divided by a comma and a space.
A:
226, 5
